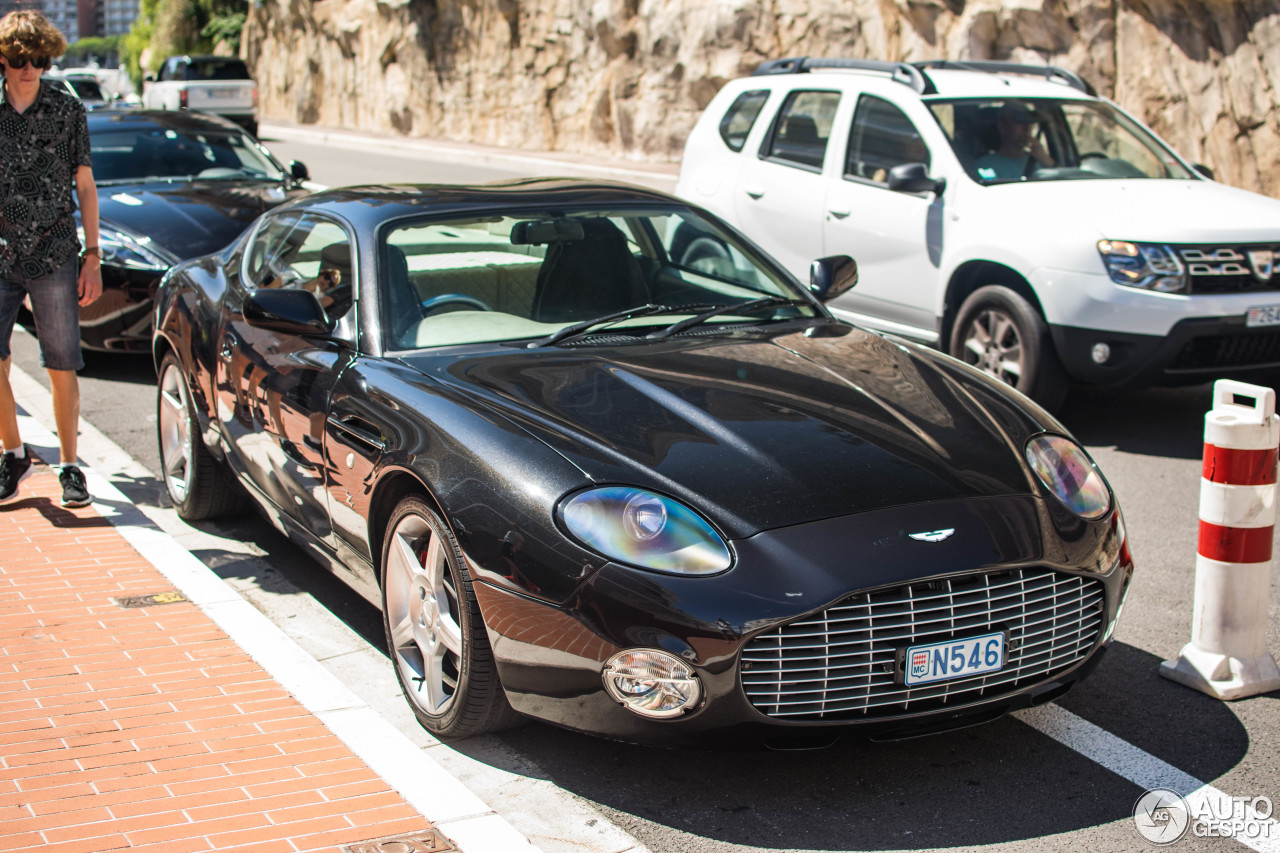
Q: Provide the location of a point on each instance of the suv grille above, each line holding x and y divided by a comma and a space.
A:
1246, 349
840, 664
1231, 269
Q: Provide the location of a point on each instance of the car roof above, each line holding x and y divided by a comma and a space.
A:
183, 120
374, 204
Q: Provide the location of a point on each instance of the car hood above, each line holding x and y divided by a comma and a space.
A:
763, 430
1163, 211
189, 219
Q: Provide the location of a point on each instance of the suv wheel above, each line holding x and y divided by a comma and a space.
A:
1001, 334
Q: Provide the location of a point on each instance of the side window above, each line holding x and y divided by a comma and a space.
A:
882, 137
305, 252
741, 117
801, 130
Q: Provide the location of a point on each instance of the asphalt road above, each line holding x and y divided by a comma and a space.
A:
1002, 786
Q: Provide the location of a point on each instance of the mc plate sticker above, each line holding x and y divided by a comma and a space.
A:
1263, 315
953, 659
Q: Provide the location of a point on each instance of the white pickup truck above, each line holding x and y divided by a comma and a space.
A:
213, 84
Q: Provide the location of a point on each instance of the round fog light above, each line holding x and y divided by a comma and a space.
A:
1101, 352
652, 683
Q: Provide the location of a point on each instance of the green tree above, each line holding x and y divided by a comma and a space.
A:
166, 28
105, 49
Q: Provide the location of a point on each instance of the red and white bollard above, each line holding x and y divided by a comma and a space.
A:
1227, 656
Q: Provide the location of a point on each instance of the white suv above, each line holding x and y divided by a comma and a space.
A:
1003, 213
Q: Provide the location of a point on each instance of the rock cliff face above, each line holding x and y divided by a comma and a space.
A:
629, 77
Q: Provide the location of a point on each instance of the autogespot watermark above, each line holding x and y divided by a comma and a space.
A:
1163, 816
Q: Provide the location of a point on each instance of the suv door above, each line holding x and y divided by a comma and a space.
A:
896, 237
779, 195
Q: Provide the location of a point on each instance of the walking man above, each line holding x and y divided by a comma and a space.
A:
44, 155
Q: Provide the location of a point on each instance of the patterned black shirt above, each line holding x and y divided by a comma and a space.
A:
40, 150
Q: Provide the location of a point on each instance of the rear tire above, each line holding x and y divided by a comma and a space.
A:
999, 332
198, 485
434, 630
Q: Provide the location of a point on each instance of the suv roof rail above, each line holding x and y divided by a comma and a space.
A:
991, 66
903, 72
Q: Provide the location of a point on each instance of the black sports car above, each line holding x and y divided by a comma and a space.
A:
602, 462
171, 186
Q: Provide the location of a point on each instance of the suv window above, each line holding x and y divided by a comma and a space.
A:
882, 137
741, 117
217, 69
801, 130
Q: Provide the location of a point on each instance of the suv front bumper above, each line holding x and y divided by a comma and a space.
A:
1194, 351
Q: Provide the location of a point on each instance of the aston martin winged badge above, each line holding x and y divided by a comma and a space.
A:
933, 535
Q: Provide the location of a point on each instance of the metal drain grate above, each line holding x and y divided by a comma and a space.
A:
426, 841
130, 602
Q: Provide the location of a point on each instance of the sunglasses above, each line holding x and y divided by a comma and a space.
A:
21, 62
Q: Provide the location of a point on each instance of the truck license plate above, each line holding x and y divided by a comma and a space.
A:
954, 659
1263, 315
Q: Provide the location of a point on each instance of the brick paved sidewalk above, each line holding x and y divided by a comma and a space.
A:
147, 728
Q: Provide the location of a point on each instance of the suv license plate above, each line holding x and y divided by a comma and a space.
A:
954, 659
1263, 315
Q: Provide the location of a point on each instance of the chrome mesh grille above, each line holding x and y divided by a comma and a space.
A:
842, 663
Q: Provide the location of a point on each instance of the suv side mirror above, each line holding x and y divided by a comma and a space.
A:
293, 312
830, 277
1204, 170
298, 171
914, 178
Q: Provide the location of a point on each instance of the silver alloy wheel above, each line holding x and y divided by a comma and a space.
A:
993, 344
422, 612
176, 450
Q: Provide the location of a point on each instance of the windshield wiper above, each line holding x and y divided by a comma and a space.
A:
637, 311
733, 308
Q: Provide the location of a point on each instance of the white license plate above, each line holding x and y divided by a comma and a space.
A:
222, 93
1263, 315
954, 659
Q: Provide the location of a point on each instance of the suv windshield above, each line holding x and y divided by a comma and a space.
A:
1003, 140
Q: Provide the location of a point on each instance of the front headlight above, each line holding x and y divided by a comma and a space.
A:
645, 529
121, 249
1144, 265
1067, 471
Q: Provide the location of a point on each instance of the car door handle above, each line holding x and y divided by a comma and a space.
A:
227, 349
360, 430
754, 192
839, 214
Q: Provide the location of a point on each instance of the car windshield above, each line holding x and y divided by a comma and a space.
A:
87, 89
150, 152
1005, 140
561, 276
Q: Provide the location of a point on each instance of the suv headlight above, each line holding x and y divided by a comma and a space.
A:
1144, 265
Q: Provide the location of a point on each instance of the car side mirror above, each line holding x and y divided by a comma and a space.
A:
298, 170
914, 178
293, 312
1204, 170
149, 78
830, 277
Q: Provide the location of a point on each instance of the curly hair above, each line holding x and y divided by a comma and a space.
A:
27, 33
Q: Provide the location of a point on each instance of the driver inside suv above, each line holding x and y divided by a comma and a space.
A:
1018, 150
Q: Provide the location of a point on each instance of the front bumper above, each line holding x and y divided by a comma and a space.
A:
550, 658
1194, 351
120, 320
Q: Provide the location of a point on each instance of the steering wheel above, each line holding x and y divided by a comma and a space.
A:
429, 305
1091, 155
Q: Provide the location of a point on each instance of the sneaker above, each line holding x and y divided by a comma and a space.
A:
74, 491
12, 472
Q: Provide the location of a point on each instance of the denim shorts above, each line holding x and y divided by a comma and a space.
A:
55, 302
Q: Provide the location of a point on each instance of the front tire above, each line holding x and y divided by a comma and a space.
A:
434, 630
199, 486
999, 332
